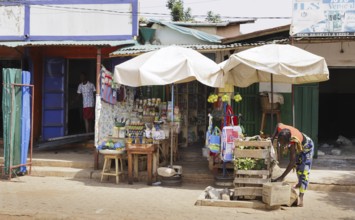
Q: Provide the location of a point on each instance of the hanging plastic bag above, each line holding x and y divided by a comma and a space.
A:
209, 130
229, 135
215, 141
230, 119
108, 94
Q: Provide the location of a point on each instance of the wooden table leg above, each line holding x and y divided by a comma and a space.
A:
149, 166
130, 170
155, 164
96, 159
135, 167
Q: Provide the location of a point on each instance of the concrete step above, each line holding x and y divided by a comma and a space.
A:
189, 176
200, 160
45, 171
63, 163
60, 163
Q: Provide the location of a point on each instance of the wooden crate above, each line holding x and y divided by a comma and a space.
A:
250, 182
276, 193
202, 201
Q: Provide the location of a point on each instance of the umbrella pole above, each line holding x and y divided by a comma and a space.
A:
172, 126
293, 107
272, 103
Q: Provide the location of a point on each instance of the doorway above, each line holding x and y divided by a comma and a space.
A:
75, 122
336, 105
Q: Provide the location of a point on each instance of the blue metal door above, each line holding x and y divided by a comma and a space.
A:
53, 119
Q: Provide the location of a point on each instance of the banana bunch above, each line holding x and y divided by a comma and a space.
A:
212, 98
237, 98
225, 98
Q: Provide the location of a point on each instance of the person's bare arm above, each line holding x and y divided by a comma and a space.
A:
274, 134
290, 165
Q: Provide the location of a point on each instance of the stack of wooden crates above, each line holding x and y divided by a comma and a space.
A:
249, 183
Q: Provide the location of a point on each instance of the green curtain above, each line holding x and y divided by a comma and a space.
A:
11, 105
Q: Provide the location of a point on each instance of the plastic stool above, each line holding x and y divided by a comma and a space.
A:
268, 111
106, 170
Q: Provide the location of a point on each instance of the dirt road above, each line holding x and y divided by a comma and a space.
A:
59, 198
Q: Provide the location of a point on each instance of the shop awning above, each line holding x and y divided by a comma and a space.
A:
138, 49
66, 43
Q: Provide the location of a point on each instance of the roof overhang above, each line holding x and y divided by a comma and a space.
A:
209, 24
67, 43
255, 34
131, 51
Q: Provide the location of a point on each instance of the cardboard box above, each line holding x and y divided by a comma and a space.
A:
276, 193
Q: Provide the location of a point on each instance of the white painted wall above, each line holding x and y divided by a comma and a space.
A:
68, 20
82, 20
277, 87
332, 52
167, 36
12, 20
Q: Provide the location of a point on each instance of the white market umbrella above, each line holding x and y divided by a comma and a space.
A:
169, 65
274, 63
172, 64
283, 63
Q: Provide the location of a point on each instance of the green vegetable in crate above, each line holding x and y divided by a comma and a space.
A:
244, 163
260, 164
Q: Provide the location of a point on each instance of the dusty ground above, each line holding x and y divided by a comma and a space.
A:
58, 198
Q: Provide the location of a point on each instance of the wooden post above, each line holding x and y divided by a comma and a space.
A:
98, 75
98, 70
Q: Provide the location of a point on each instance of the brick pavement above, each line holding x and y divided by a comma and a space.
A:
61, 198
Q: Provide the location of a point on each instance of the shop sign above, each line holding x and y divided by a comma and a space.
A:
323, 18
69, 20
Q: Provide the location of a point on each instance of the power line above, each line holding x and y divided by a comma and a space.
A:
190, 3
86, 10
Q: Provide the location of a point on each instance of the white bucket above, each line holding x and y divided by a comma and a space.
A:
205, 152
122, 132
115, 132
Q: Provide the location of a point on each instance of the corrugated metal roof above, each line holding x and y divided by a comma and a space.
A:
209, 24
139, 49
66, 43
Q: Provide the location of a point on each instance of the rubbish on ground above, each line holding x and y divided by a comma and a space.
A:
336, 152
320, 153
212, 193
325, 145
343, 141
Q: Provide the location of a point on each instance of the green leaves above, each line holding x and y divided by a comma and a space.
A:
177, 11
249, 164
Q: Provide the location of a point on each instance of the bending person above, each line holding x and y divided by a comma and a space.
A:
301, 149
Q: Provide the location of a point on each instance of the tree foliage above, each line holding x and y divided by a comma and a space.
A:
177, 12
214, 18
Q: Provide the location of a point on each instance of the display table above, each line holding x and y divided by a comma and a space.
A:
152, 152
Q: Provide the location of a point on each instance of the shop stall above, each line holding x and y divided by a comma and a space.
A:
137, 125
132, 131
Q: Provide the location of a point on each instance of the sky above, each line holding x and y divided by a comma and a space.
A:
228, 10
